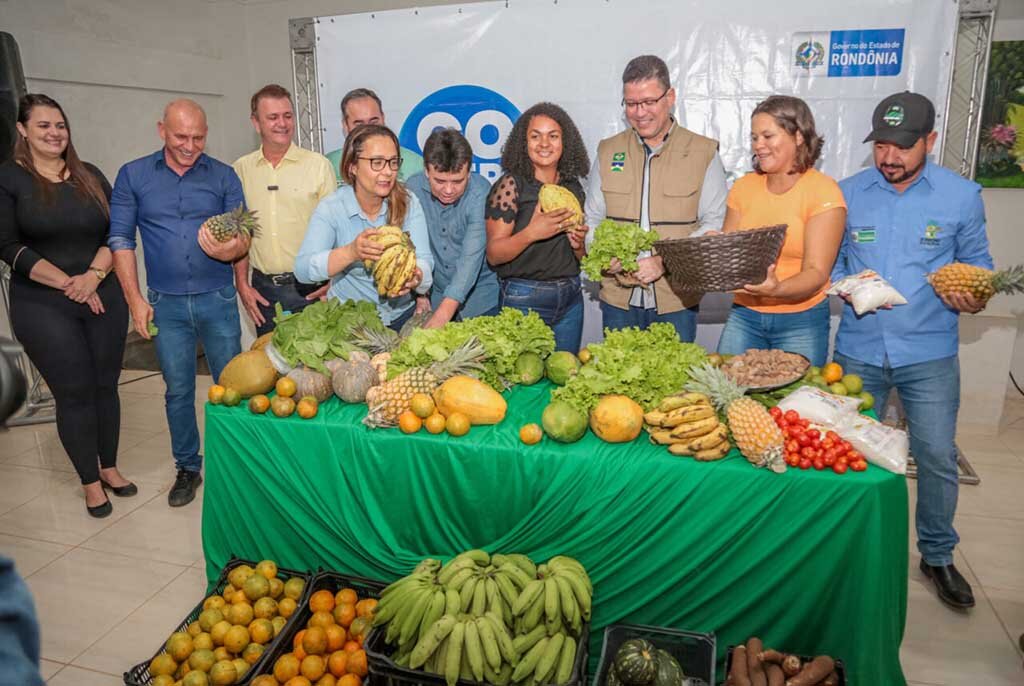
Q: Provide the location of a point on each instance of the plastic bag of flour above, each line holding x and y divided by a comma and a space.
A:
867, 291
820, 406
882, 445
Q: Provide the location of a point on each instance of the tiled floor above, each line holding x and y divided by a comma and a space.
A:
107, 591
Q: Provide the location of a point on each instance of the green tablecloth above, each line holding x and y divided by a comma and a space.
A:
812, 562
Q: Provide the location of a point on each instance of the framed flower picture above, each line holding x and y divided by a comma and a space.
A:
1001, 148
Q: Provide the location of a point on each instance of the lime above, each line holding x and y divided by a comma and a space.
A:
854, 384
867, 400
819, 381
812, 372
838, 389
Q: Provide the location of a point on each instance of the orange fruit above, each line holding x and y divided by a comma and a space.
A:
422, 405
315, 641
285, 387
344, 614
285, 607
253, 652
258, 404
350, 680
457, 424
307, 407
216, 394
336, 636
409, 423
322, 619
359, 628
236, 639
351, 647
286, 667
346, 595
366, 607
435, 423
337, 663
297, 639
231, 397
327, 679
215, 602
264, 680
832, 372
357, 663
282, 406
322, 600
261, 631
298, 681
313, 667
530, 434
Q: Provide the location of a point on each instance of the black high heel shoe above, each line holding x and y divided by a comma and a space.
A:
100, 511
125, 491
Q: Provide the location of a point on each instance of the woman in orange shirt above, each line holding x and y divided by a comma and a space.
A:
789, 309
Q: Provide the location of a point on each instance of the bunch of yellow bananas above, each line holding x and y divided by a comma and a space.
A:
688, 425
396, 264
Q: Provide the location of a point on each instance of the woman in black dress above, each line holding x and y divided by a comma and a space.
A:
65, 311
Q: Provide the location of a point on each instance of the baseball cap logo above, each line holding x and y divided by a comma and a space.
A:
894, 115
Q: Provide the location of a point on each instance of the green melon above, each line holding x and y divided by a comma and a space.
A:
563, 422
529, 369
561, 366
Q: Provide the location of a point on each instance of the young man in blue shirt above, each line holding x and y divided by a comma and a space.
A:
453, 201
191, 294
906, 218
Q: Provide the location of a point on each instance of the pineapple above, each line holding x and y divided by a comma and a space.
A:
375, 341
756, 434
226, 226
982, 283
391, 398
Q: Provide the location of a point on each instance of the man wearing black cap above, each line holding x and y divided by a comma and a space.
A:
907, 217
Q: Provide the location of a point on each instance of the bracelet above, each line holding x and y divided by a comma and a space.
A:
99, 273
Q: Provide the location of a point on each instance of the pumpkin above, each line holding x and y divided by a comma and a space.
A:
472, 397
250, 373
332, 365
613, 678
310, 382
358, 356
635, 663
617, 419
352, 381
669, 671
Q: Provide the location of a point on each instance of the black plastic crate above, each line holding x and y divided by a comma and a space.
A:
840, 669
694, 651
139, 674
331, 581
384, 672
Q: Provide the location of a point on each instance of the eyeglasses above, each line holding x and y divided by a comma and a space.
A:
646, 104
377, 163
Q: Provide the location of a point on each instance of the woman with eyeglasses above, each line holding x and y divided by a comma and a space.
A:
536, 254
66, 311
338, 237
789, 309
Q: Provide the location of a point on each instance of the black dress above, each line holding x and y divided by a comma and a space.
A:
77, 352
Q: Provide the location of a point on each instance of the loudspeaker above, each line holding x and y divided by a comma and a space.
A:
12, 88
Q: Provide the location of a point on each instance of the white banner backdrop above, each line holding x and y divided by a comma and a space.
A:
478, 66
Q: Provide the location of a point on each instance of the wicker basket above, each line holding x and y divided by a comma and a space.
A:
723, 262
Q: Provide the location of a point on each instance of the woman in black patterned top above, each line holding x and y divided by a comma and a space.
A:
536, 254
70, 318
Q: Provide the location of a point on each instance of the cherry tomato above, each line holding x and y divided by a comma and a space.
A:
845, 445
795, 430
791, 416
805, 423
804, 440
833, 436
775, 412
805, 464
862, 465
815, 442
814, 433
829, 460
854, 456
793, 460
819, 465
792, 446
819, 453
828, 443
839, 467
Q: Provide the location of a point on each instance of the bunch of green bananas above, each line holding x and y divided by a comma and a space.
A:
396, 264
499, 619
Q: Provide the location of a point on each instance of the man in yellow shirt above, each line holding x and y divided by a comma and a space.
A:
283, 183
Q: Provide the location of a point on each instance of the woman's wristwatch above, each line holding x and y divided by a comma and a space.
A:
100, 274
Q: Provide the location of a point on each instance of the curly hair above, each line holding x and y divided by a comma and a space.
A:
574, 163
792, 115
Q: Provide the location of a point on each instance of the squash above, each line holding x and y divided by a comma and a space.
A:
670, 673
472, 397
612, 678
352, 381
358, 356
332, 365
311, 382
617, 419
635, 663
250, 373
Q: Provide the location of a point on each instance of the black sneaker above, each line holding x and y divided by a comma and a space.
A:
184, 489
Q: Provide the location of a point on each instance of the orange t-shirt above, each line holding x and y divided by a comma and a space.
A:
813, 194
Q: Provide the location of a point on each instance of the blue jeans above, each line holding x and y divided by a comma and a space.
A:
183, 319
930, 394
804, 332
559, 303
684, 320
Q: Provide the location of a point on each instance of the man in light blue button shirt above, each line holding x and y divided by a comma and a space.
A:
908, 217
453, 201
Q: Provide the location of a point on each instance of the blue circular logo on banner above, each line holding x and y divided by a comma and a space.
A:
483, 116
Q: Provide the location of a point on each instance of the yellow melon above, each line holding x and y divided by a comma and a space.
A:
250, 373
617, 419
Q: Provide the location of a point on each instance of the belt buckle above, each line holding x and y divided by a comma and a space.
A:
282, 279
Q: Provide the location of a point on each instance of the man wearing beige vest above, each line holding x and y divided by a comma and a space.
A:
663, 177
